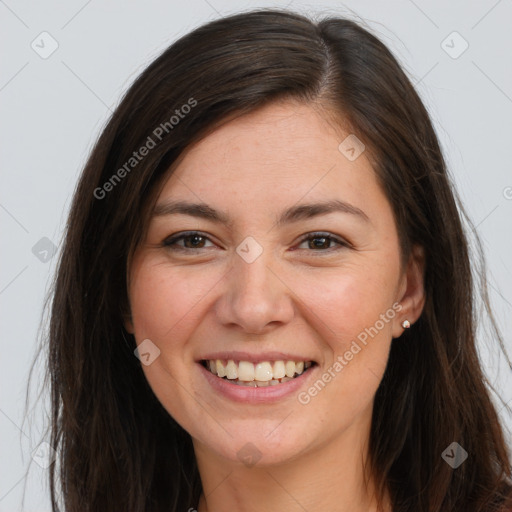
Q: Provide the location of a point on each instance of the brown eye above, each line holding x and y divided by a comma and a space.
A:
322, 242
191, 241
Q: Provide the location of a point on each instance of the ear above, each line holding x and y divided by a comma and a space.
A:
412, 292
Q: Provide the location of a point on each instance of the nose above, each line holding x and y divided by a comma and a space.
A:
255, 297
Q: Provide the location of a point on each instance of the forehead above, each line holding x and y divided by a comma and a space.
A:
273, 157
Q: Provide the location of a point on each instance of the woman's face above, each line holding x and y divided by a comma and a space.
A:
247, 289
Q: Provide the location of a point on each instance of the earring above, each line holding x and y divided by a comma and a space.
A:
406, 324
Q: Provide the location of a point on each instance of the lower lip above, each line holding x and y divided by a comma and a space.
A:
264, 394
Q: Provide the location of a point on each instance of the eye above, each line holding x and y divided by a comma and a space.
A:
191, 240
321, 242
188, 241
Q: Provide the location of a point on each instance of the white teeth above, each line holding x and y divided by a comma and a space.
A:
260, 374
278, 370
231, 370
221, 371
289, 368
252, 383
263, 371
242, 383
245, 371
212, 366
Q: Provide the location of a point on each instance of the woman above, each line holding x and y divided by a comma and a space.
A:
264, 300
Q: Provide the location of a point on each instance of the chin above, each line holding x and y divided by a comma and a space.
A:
260, 445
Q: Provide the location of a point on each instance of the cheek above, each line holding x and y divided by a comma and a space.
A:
346, 302
165, 304
164, 299
346, 310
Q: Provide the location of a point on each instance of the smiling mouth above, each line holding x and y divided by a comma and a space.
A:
265, 373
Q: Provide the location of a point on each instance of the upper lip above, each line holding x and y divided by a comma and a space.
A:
254, 358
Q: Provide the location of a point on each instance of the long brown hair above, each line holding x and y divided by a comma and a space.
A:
118, 448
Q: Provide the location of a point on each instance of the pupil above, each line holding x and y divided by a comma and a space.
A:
195, 239
321, 243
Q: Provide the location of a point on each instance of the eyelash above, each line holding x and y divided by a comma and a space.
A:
170, 243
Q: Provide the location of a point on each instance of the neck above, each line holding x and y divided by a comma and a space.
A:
329, 477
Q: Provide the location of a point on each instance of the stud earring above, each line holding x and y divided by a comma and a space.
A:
406, 324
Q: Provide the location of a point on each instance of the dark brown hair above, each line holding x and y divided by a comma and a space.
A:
118, 447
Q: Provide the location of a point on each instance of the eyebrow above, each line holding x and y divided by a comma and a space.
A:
290, 215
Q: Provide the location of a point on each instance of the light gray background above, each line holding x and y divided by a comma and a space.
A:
53, 109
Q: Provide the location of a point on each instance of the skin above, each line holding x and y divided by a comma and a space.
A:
294, 297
